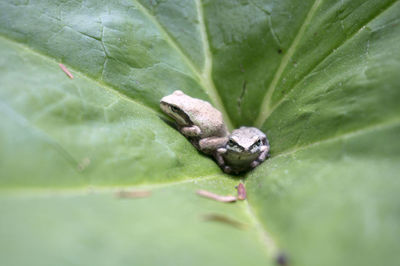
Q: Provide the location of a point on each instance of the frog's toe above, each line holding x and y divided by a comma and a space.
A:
221, 150
264, 148
254, 164
227, 169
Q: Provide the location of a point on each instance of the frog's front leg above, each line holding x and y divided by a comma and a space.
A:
211, 144
193, 131
219, 158
264, 153
261, 157
218, 155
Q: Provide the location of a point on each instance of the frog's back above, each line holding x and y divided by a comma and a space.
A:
210, 120
201, 113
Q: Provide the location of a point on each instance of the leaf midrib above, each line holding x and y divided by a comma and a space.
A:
264, 236
90, 189
365, 130
204, 76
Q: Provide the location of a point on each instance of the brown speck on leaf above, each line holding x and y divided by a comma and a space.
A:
241, 192
241, 68
123, 194
83, 164
66, 71
282, 259
242, 94
280, 51
216, 197
224, 219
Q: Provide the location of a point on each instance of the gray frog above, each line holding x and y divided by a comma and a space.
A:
197, 120
246, 148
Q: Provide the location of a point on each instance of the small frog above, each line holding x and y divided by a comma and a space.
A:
197, 120
246, 148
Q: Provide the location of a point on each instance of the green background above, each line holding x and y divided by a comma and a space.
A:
320, 78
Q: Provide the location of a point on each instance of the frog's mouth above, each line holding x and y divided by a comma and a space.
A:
240, 151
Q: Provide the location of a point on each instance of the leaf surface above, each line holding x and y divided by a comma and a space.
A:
319, 77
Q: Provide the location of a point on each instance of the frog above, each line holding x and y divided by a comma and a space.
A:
197, 120
245, 149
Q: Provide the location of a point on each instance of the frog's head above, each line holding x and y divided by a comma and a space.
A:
174, 106
246, 140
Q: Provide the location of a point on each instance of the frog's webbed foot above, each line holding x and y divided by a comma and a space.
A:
212, 144
193, 131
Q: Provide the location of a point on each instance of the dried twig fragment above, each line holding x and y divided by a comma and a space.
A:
66, 71
216, 197
224, 219
123, 194
241, 192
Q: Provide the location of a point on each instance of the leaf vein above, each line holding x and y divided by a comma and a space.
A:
98, 83
19, 118
170, 39
285, 60
364, 130
324, 58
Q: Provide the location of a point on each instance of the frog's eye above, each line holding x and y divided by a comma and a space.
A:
231, 143
258, 143
265, 141
174, 108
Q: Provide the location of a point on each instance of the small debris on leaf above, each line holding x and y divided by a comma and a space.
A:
282, 259
216, 197
123, 194
82, 165
66, 71
213, 217
241, 192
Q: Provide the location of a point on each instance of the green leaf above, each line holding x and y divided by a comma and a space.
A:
319, 77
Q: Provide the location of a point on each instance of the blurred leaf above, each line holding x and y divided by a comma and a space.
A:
319, 77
